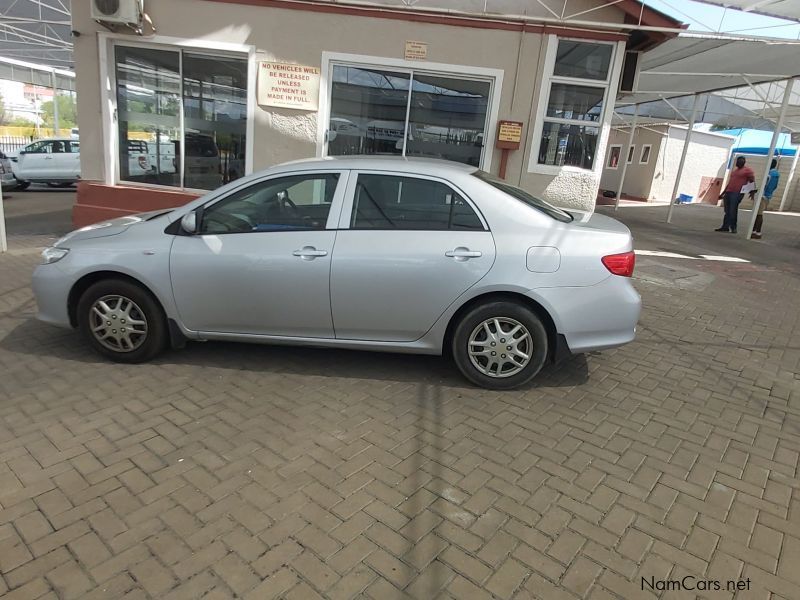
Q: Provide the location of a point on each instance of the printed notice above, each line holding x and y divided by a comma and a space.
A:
288, 86
416, 50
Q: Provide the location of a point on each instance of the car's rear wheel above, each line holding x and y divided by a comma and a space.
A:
500, 345
122, 321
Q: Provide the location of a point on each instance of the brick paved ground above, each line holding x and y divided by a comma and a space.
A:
225, 470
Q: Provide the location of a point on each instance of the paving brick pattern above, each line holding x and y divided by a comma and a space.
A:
228, 471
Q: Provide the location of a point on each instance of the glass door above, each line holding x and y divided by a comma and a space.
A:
413, 113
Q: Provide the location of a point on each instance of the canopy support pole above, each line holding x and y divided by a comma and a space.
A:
3, 240
624, 157
790, 179
56, 129
787, 92
684, 152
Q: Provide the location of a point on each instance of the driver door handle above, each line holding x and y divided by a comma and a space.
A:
463, 253
309, 253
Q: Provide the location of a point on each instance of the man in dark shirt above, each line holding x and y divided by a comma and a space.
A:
733, 194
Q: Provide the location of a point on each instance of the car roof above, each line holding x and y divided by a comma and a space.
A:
65, 139
424, 166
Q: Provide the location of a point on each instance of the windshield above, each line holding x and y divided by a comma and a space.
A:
525, 197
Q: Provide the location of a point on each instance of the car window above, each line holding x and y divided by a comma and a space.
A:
297, 202
74, 147
397, 202
39, 148
525, 197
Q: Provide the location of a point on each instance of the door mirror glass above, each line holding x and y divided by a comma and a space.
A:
189, 222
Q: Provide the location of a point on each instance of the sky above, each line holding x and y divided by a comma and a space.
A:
705, 17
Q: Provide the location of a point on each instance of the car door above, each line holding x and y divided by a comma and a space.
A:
407, 248
260, 263
35, 161
72, 160
59, 161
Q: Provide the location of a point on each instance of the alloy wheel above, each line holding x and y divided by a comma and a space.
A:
118, 323
500, 347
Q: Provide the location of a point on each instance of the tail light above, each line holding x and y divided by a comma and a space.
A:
620, 264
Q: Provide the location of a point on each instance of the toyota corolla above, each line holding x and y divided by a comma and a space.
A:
391, 254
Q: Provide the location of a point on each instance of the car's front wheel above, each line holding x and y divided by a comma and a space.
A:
122, 321
500, 345
23, 185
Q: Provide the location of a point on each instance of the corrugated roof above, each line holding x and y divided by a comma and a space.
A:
783, 9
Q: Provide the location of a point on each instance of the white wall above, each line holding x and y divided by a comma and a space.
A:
706, 157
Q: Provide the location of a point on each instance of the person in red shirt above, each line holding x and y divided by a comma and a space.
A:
733, 195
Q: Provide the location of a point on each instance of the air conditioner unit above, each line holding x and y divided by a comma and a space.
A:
126, 12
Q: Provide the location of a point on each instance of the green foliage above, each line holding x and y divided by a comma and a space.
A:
67, 112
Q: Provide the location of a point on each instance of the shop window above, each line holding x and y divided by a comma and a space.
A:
182, 117
576, 92
407, 113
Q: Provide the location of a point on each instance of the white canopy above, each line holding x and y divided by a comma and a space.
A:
783, 9
749, 74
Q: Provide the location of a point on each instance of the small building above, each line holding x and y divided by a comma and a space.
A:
654, 158
222, 88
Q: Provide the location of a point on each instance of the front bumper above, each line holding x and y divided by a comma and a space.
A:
51, 288
8, 181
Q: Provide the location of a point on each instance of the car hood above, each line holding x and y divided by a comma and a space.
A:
108, 228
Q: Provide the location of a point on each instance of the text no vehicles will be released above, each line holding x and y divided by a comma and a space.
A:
288, 86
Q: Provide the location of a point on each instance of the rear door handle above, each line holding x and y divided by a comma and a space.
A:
462, 253
309, 253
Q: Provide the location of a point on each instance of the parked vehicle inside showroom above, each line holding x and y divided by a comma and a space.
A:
56, 162
371, 253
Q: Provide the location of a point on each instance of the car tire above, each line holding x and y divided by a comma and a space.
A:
127, 304
23, 185
520, 334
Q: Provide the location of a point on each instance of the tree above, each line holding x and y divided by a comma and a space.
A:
3, 115
67, 112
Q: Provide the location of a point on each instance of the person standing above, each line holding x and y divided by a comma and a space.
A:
773, 179
732, 196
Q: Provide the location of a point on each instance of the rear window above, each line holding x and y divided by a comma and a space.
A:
525, 197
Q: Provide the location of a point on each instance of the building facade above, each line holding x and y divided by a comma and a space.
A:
654, 158
223, 88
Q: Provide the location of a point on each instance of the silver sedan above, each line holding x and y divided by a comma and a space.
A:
392, 254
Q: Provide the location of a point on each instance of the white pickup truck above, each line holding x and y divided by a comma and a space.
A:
56, 162
149, 158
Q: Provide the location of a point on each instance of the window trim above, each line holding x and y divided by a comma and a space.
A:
608, 154
649, 153
493, 76
539, 111
350, 194
333, 215
107, 43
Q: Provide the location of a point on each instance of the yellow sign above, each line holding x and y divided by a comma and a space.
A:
510, 131
288, 86
416, 50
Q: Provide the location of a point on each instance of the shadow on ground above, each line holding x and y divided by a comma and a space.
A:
38, 339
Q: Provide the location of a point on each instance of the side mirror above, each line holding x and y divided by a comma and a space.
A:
331, 135
22, 152
189, 222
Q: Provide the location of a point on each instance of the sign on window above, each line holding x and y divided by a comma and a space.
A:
288, 86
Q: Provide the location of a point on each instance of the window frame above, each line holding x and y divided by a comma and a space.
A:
350, 194
107, 43
548, 78
608, 155
331, 59
649, 148
333, 215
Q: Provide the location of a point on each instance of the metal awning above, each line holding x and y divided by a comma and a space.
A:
36, 31
746, 78
782, 9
